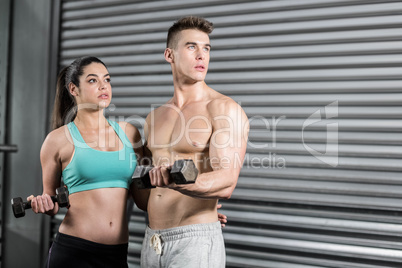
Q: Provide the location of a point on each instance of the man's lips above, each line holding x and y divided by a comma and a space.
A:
200, 67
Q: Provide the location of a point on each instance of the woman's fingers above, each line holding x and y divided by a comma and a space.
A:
41, 203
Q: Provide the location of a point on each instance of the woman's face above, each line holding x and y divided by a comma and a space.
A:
95, 89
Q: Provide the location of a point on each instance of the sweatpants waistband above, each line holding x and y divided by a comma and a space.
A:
202, 229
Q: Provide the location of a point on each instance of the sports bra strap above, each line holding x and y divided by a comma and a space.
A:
122, 135
76, 135
80, 142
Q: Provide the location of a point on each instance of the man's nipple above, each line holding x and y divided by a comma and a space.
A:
196, 144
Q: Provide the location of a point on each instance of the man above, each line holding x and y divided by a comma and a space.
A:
201, 124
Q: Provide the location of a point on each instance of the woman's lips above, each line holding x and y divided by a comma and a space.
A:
104, 96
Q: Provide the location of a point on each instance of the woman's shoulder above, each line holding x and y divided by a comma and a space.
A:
58, 137
57, 141
130, 130
127, 126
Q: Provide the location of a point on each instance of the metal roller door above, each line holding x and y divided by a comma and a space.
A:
321, 81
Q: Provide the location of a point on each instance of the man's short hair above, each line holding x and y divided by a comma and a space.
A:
186, 23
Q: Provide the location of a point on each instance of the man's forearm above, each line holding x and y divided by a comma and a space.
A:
218, 184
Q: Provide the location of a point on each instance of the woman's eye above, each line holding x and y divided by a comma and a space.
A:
92, 80
108, 80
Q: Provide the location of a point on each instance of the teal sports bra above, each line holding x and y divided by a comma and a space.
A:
93, 169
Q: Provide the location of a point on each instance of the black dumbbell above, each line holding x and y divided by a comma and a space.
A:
183, 171
20, 206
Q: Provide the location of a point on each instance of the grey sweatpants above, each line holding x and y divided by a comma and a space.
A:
192, 246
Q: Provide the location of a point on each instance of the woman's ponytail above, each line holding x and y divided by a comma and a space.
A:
64, 103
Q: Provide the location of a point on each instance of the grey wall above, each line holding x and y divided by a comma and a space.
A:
27, 103
4, 37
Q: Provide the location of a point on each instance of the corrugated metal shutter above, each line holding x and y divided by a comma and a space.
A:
321, 83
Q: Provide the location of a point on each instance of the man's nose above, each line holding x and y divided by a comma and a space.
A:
200, 55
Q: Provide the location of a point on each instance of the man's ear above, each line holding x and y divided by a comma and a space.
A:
73, 89
169, 55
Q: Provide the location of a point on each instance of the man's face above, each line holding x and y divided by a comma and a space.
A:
191, 55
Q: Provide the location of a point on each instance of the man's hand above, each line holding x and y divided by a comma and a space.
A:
160, 176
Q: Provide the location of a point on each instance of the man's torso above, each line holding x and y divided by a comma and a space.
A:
174, 134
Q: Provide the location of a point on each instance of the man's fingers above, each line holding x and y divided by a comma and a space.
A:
165, 173
160, 176
152, 176
156, 177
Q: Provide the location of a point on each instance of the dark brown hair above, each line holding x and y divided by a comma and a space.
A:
65, 109
186, 23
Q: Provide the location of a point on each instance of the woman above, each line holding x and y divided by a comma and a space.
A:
96, 159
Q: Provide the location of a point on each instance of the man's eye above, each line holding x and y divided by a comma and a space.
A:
92, 80
191, 47
206, 49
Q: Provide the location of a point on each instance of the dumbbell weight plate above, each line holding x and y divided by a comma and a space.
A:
184, 171
141, 177
62, 197
17, 206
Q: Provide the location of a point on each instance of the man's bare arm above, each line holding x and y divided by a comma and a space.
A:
227, 149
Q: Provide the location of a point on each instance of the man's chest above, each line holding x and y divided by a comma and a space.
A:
187, 131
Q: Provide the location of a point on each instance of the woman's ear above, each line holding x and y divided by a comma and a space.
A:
73, 89
169, 55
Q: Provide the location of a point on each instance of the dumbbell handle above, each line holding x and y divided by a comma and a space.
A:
19, 206
27, 205
182, 172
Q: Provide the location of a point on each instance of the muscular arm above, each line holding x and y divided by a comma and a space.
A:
227, 149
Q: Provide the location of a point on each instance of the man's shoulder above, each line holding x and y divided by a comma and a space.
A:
222, 105
157, 109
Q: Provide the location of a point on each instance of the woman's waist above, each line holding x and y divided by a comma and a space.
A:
97, 213
97, 229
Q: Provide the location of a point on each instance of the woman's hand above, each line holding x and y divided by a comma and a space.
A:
41, 203
222, 218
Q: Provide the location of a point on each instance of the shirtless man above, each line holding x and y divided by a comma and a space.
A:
201, 124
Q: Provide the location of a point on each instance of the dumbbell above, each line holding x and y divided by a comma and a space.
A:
183, 171
19, 206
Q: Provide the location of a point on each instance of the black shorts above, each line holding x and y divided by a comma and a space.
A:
70, 251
